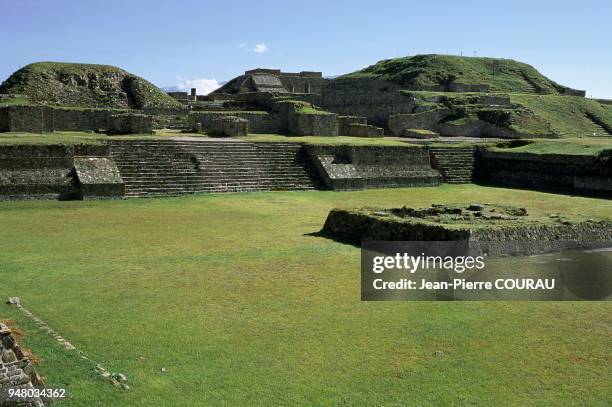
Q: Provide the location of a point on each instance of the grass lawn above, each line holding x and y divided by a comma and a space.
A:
242, 305
570, 146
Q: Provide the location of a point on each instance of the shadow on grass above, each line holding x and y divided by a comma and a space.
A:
339, 239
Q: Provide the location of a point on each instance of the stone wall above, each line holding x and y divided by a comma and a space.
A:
425, 120
374, 99
68, 119
41, 119
360, 167
48, 171
129, 123
363, 130
312, 124
434, 120
259, 121
524, 237
572, 92
26, 118
98, 177
230, 126
357, 126
550, 171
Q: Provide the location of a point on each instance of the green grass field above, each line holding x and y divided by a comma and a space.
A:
242, 303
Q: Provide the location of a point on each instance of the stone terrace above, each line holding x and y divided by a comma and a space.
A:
153, 168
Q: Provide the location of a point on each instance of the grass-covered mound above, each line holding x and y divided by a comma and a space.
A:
85, 85
569, 116
527, 115
427, 72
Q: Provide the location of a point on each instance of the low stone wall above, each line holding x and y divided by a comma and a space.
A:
523, 237
434, 120
98, 177
48, 172
68, 119
259, 121
129, 123
425, 120
572, 92
26, 118
357, 126
312, 124
229, 126
550, 171
344, 121
363, 130
360, 167
43, 119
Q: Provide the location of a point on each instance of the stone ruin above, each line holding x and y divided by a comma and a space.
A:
130, 123
229, 126
16, 372
489, 228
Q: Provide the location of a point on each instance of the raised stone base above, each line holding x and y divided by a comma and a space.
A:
491, 229
360, 167
98, 177
129, 123
229, 126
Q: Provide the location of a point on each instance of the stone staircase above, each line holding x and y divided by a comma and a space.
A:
600, 128
456, 164
529, 86
173, 167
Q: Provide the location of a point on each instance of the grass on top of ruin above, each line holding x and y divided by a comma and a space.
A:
575, 146
236, 299
570, 146
68, 138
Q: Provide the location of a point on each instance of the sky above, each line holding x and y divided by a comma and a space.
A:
201, 43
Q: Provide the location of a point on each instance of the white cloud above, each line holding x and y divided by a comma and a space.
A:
203, 86
242, 45
260, 48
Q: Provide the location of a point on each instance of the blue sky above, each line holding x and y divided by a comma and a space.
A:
196, 42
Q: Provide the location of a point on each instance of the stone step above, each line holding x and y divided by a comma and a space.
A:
233, 188
135, 182
172, 168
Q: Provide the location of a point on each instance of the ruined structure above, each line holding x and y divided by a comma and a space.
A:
17, 372
490, 229
417, 98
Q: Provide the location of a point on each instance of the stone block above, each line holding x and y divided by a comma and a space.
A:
259, 121
362, 130
313, 124
26, 118
229, 126
130, 123
98, 177
360, 167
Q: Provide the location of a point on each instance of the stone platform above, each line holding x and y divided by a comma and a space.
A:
491, 229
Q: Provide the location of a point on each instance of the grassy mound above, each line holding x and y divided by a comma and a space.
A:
546, 116
85, 85
427, 72
569, 116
